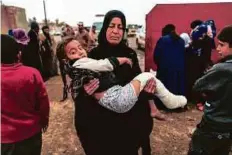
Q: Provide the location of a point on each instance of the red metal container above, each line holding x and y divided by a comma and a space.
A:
181, 15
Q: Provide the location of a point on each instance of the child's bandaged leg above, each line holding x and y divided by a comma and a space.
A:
143, 78
119, 99
170, 100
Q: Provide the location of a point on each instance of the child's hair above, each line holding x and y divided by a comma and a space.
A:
226, 35
60, 50
10, 49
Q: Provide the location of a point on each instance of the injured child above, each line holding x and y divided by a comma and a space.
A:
110, 95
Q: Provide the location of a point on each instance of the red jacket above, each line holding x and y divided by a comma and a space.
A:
24, 103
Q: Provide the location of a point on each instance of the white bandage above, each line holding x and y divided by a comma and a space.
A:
143, 79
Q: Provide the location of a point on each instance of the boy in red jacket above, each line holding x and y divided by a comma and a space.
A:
24, 103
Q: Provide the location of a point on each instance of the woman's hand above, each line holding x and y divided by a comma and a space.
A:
124, 60
150, 86
92, 86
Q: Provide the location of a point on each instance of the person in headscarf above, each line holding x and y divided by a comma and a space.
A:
169, 55
190, 61
46, 51
201, 47
102, 131
22, 39
34, 57
167, 29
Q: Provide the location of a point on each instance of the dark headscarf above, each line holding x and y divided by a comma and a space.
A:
167, 29
108, 18
106, 50
170, 29
47, 35
34, 25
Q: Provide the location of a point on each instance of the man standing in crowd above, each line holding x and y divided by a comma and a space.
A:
24, 103
82, 36
34, 57
92, 38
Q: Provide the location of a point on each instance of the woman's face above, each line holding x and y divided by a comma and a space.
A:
114, 32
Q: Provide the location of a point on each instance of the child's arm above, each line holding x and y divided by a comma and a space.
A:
101, 65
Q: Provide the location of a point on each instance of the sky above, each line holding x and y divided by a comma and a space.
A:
73, 11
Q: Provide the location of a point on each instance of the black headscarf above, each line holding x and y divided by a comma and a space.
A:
130, 129
34, 25
170, 29
106, 50
47, 35
108, 18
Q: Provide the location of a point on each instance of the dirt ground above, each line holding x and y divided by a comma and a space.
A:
169, 137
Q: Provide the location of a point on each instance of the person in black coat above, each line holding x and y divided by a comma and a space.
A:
101, 131
201, 48
33, 50
46, 52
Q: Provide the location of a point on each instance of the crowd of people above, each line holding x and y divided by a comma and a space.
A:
182, 59
37, 49
113, 99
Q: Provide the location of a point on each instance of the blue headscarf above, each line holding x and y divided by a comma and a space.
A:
203, 29
10, 32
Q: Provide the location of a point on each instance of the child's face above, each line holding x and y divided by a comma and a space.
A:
74, 50
224, 49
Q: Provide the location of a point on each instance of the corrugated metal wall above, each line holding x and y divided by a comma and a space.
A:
181, 15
